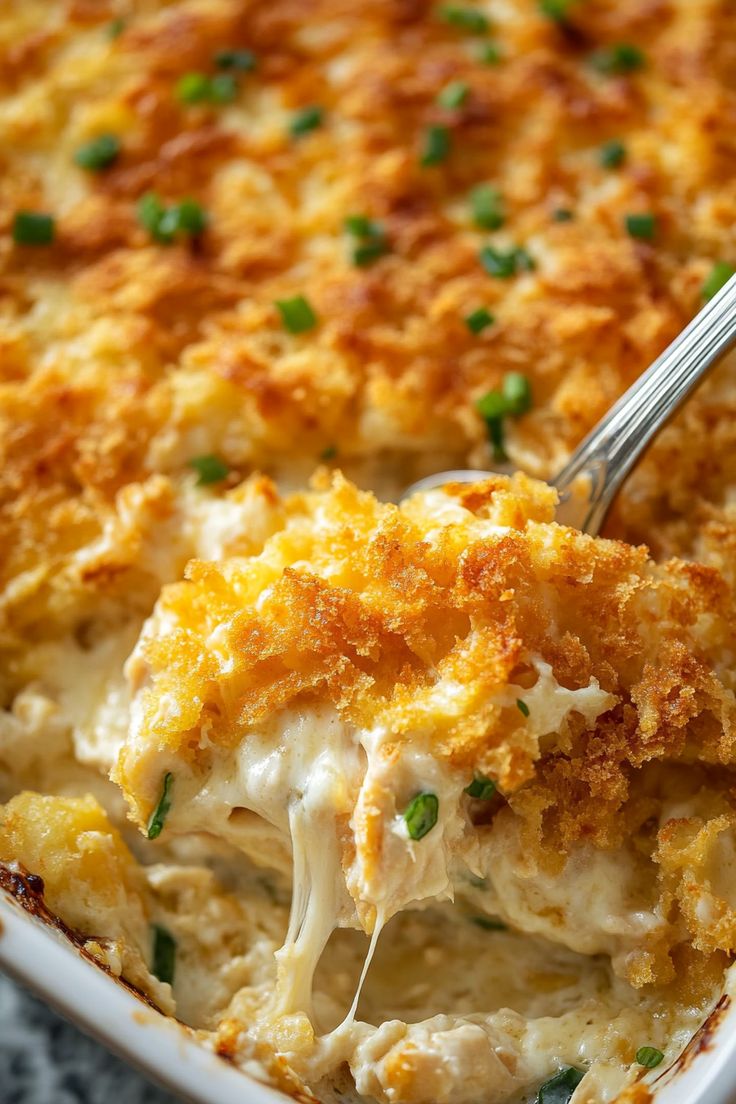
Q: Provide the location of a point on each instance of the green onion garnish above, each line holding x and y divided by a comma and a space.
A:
453, 95
33, 228
504, 265
641, 226
514, 398
369, 251
159, 814
562, 214
560, 1088
435, 146
241, 60
649, 1057
223, 88
99, 153
363, 227
115, 28
517, 393
478, 319
164, 223
622, 57
421, 815
209, 468
719, 275
372, 241
164, 954
193, 88
612, 154
481, 788
488, 53
488, 923
190, 217
465, 19
556, 10
522, 707
309, 118
487, 204
296, 314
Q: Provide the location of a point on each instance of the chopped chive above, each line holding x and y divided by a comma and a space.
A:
369, 251
487, 205
465, 19
209, 468
296, 314
99, 153
164, 954
649, 1057
309, 118
522, 707
478, 320
453, 95
719, 275
492, 405
190, 217
488, 53
242, 60
435, 146
497, 438
164, 223
328, 453
556, 10
223, 88
517, 393
159, 814
612, 154
641, 226
502, 264
562, 214
481, 788
622, 57
560, 1088
193, 88
489, 923
363, 227
421, 814
115, 28
33, 228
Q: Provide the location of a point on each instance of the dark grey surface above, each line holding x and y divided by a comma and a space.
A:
44, 1060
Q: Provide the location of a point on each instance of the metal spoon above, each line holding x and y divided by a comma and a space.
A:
602, 461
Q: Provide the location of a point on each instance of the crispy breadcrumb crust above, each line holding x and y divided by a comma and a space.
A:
372, 608
120, 357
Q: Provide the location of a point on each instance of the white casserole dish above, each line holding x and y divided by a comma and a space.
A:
44, 960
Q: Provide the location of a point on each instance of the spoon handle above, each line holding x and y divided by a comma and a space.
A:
608, 453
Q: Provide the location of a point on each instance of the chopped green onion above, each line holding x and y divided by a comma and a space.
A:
556, 10
719, 275
163, 223
115, 28
296, 314
328, 453
481, 788
164, 954
622, 57
193, 88
496, 437
465, 19
560, 1088
369, 251
517, 393
488, 53
33, 228
210, 469
190, 217
641, 226
309, 118
223, 88
487, 205
489, 923
453, 95
562, 214
363, 227
492, 405
436, 145
159, 814
522, 707
478, 319
612, 154
504, 265
649, 1057
421, 815
99, 153
242, 60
